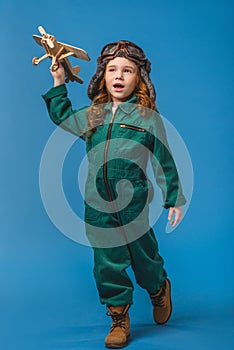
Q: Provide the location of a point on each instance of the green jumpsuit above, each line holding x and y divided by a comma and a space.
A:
118, 192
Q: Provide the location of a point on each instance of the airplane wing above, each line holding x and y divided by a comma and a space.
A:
79, 53
37, 38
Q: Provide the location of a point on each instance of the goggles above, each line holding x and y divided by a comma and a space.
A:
130, 49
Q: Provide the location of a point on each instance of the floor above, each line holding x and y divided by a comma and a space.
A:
67, 324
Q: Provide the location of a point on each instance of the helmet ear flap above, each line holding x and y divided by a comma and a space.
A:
145, 77
95, 80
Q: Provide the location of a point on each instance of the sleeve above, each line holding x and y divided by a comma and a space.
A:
61, 113
164, 167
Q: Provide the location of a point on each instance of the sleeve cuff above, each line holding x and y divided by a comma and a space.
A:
178, 203
54, 92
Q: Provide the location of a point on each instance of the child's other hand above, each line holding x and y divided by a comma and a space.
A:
59, 76
177, 212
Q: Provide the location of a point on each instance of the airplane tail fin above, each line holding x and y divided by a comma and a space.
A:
76, 70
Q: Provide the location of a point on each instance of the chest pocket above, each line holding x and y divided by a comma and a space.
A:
133, 143
132, 132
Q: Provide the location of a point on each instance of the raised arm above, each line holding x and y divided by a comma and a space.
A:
60, 108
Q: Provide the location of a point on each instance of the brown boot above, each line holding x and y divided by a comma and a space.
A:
120, 329
162, 303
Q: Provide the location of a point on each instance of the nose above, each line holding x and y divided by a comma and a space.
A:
119, 74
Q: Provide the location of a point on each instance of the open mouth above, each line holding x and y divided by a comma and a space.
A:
118, 86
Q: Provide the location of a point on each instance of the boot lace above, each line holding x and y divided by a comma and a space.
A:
118, 320
159, 299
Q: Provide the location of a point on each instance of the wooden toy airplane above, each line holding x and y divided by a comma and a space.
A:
59, 52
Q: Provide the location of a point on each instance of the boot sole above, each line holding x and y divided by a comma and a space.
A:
117, 346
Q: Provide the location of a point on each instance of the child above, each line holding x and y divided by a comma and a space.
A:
122, 128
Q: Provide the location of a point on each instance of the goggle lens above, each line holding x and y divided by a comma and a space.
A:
131, 49
109, 49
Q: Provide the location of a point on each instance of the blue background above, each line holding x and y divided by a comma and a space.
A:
48, 298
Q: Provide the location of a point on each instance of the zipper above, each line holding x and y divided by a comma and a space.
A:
132, 127
105, 170
105, 157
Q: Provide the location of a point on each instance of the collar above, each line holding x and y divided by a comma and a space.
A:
127, 107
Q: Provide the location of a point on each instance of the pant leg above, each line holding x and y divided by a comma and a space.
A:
113, 283
147, 264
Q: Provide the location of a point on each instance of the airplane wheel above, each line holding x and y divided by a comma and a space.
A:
35, 61
55, 67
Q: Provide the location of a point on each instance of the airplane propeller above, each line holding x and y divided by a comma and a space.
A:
46, 36
41, 30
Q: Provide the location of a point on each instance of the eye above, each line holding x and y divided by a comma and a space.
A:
128, 70
110, 69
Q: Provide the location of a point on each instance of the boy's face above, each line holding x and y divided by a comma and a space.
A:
121, 78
